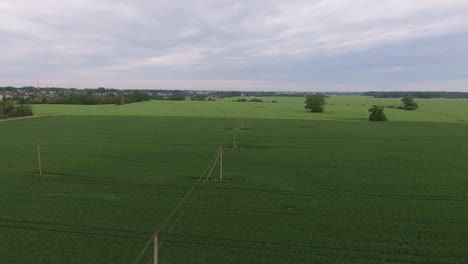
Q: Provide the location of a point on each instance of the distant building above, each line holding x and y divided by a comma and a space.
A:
5, 96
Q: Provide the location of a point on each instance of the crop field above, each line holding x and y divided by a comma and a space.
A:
340, 108
297, 188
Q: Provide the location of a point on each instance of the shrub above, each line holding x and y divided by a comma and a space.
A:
198, 97
410, 107
9, 109
409, 103
176, 98
377, 113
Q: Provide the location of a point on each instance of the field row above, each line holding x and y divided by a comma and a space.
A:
293, 191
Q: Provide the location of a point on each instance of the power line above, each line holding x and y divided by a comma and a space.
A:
163, 224
212, 164
174, 211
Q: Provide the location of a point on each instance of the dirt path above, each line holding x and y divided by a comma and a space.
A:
20, 118
57, 113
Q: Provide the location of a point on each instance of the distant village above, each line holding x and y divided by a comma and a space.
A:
36, 95
47, 94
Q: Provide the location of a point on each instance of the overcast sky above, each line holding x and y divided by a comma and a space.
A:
329, 45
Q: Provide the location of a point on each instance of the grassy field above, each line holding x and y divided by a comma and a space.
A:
338, 108
300, 187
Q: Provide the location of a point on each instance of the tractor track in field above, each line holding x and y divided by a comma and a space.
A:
45, 229
297, 248
100, 228
22, 118
72, 229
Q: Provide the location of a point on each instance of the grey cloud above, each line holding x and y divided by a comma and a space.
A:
111, 41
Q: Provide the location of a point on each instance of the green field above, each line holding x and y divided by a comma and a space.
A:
342, 108
299, 187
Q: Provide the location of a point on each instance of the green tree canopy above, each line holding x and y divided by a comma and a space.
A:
315, 103
377, 113
9, 109
409, 103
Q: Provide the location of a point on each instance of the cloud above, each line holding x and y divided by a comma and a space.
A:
218, 40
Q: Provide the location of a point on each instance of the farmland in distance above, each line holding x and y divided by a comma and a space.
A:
298, 187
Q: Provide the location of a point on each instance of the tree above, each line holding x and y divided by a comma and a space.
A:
120, 100
137, 96
9, 109
377, 113
2, 110
176, 97
315, 103
409, 103
198, 97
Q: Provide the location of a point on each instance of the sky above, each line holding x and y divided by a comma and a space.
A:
310, 45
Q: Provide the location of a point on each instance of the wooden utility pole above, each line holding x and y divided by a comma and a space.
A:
221, 165
39, 159
155, 253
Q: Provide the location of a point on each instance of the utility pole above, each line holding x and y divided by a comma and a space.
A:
155, 253
39, 159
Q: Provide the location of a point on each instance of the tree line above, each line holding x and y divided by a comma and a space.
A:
90, 99
245, 100
448, 95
